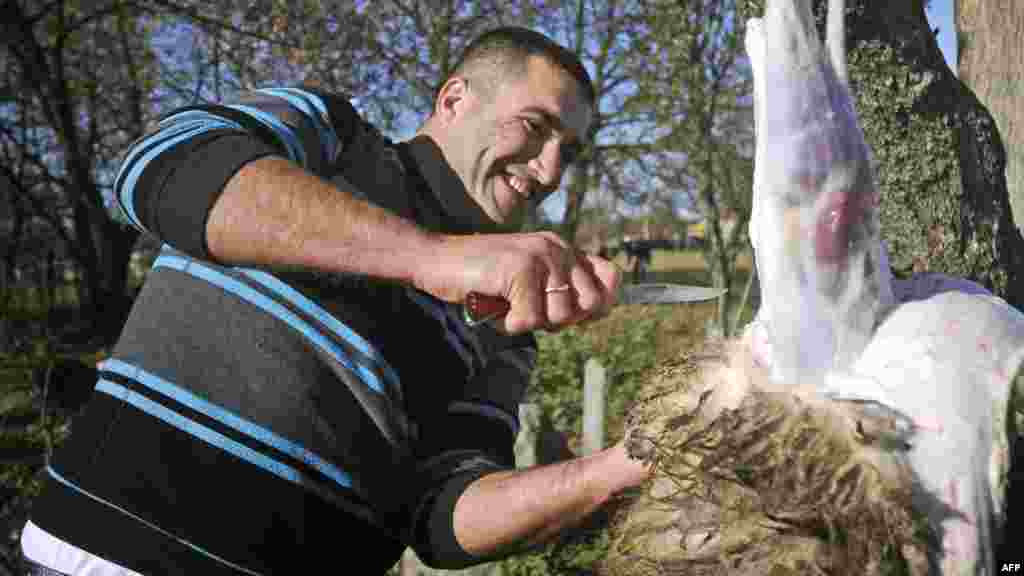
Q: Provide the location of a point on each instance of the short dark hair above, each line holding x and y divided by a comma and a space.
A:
508, 48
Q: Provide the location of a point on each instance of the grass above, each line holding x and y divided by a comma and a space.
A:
684, 324
691, 260
680, 327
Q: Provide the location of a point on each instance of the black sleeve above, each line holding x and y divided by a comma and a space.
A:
479, 438
169, 180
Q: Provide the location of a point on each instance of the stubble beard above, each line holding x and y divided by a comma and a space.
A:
482, 168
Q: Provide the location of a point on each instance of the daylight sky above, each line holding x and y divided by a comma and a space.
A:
940, 15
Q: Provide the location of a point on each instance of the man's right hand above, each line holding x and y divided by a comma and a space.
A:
521, 268
273, 213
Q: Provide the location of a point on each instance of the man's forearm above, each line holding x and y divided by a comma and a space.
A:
527, 507
273, 213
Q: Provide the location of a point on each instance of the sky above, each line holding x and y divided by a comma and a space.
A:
940, 15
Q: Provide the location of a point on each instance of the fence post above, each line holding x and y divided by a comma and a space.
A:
409, 564
527, 442
594, 377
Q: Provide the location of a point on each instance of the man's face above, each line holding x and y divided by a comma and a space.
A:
513, 146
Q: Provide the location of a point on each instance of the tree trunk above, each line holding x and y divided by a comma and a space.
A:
990, 42
86, 255
104, 251
574, 195
110, 280
577, 190
945, 206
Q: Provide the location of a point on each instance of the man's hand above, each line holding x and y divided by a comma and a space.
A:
273, 213
522, 508
526, 270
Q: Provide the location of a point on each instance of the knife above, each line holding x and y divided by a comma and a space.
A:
479, 308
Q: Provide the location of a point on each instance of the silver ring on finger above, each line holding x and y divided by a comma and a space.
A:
562, 288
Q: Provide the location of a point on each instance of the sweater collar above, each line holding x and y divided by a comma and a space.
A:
463, 213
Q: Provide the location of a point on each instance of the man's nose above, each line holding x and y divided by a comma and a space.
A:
547, 165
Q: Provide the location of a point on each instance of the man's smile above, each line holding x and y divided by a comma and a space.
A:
519, 184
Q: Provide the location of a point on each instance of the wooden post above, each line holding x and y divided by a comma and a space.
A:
527, 443
409, 564
594, 376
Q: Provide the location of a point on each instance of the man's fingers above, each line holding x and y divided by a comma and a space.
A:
609, 277
603, 277
560, 301
560, 288
589, 288
528, 302
548, 284
595, 283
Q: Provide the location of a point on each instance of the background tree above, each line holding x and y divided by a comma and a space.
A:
415, 45
209, 52
605, 33
80, 74
694, 74
990, 35
391, 55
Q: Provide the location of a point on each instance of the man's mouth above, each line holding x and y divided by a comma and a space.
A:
518, 183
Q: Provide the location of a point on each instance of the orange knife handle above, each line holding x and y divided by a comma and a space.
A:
479, 308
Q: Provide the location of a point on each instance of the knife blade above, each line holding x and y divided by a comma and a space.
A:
479, 308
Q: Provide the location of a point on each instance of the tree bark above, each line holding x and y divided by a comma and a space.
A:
945, 206
100, 246
575, 193
577, 189
990, 44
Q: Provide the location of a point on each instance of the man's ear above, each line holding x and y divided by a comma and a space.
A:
452, 99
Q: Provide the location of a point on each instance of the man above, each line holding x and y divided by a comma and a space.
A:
639, 252
295, 386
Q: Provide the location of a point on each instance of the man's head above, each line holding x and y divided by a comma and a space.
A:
510, 117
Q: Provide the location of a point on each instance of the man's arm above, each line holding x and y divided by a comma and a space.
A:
274, 213
239, 184
511, 509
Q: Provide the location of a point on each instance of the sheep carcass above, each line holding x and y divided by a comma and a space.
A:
941, 352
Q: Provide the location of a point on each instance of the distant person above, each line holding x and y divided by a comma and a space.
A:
639, 252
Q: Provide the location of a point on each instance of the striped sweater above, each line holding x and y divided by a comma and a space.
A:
258, 421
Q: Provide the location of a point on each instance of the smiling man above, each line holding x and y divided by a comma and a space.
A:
295, 384
518, 124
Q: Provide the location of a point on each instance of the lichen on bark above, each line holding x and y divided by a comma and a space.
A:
941, 164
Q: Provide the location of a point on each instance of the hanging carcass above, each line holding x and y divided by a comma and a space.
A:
862, 424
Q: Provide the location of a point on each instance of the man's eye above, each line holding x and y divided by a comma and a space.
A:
530, 125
